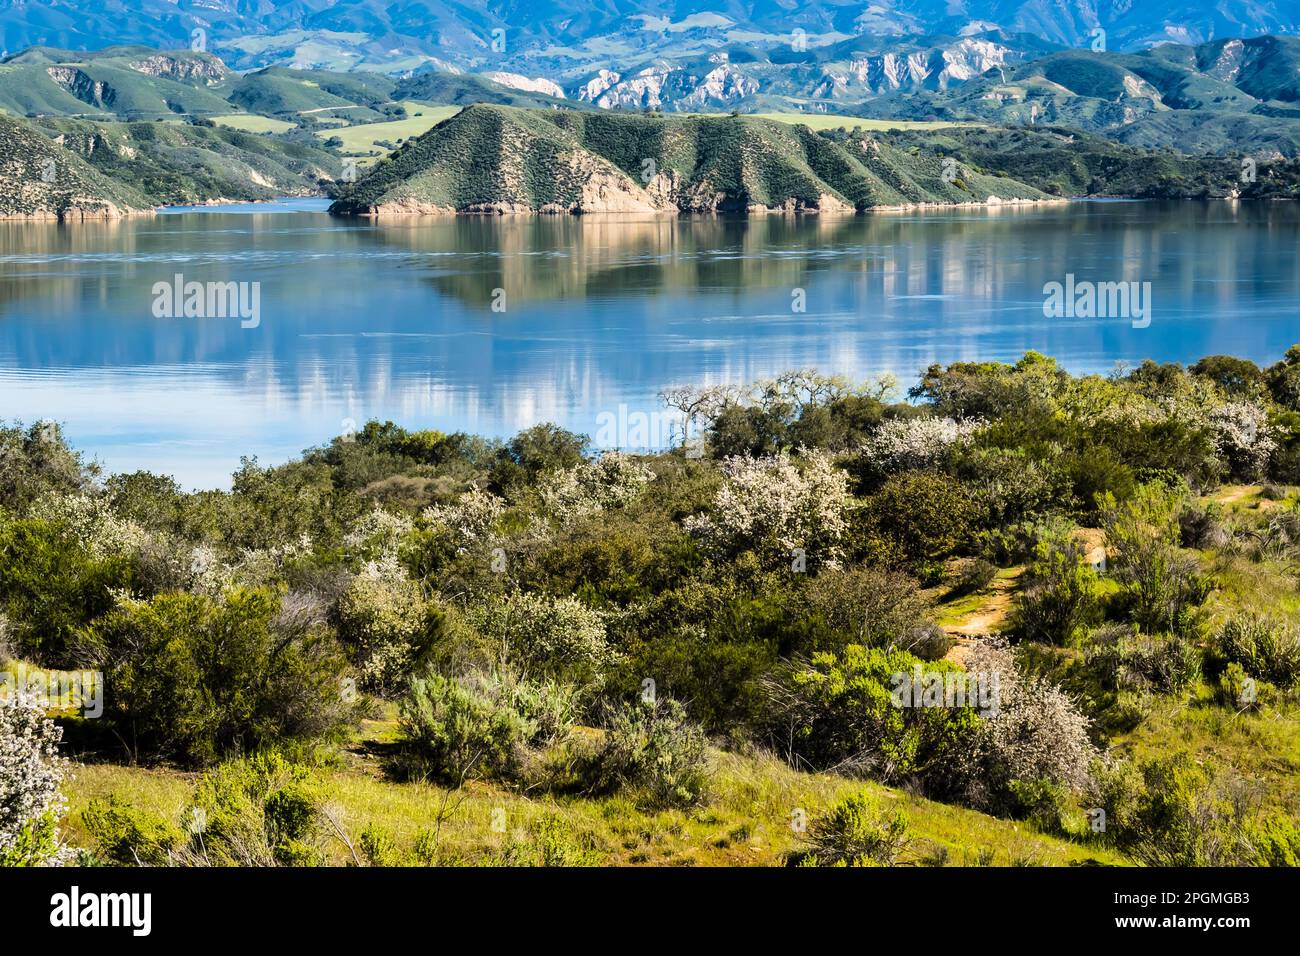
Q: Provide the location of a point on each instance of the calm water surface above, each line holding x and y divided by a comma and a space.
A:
396, 320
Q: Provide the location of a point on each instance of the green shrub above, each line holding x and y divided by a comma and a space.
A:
193, 679
1265, 648
1275, 841
1059, 591
848, 711
926, 515
855, 832
479, 725
264, 810
128, 836
652, 749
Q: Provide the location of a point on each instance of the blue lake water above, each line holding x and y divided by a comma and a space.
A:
396, 320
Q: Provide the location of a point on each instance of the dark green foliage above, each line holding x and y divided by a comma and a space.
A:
927, 516
539, 449
841, 711
51, 587
192, 679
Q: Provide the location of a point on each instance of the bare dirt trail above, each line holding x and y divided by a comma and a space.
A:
987, 617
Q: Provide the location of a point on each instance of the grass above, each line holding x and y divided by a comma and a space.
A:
252, 123
364, 139
747, 821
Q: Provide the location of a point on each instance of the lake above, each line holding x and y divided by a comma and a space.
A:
489, 325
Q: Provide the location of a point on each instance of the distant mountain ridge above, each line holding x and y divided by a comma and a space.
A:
1225, 96
559, 38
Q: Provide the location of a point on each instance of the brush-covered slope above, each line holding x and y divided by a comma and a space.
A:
179, 163
41, 180
503, 159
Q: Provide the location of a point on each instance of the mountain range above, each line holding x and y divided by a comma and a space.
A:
560, 39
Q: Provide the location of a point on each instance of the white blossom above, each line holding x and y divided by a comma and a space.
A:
774, 508
905, 443
30, 774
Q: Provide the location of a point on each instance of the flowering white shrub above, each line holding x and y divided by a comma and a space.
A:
906, 443
541, 636
384, 616
1034, 733
470, 518
92, 522
610, 481
1243, 438
774, 508
30, 773
210, 574
380, 533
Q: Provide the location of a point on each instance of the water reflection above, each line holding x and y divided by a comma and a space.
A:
396, 319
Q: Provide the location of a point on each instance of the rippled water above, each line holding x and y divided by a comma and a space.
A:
395, 320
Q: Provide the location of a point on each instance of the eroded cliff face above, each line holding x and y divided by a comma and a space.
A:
201, 67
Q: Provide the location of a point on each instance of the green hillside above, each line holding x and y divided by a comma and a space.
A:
508, 159
178, 163
125, 82
41, 180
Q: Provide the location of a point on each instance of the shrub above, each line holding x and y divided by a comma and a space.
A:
452, 733
848, 711
1265, 648
533, 452
1243, 439
264, 810
194, 679
1059, 593
778, 511
908, 444
546, 637
863, 605
1173, 817
391, 629
1033, 738
651, 748
1274, 841
1161, 585
128, 836
479, 725
30, 774
51, 587
855, 832
927, 516
610, 481
974, 577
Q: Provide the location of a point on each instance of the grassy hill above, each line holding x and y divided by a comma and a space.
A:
41, 180
177, 163
123, 82
495, 158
